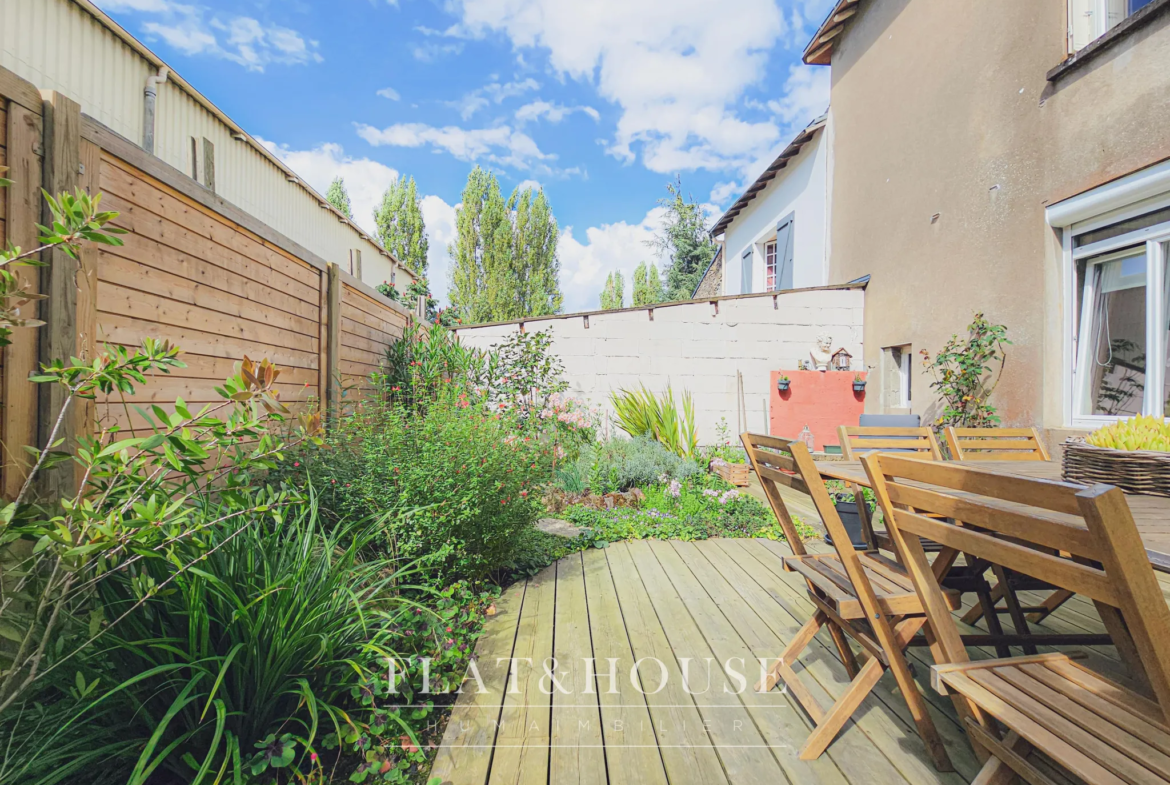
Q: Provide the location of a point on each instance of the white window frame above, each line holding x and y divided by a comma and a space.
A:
1155, 240
1136, 194
770, 266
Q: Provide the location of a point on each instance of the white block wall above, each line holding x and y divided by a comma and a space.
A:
690, 347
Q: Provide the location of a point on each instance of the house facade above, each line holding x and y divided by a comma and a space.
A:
1011, 159
774, 236
72, 47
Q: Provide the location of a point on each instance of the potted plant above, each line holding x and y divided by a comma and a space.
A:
846, 504
782, 383
858, 383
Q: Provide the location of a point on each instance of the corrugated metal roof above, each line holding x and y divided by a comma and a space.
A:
791, 151
74, 47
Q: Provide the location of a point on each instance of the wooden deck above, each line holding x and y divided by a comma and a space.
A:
681, 604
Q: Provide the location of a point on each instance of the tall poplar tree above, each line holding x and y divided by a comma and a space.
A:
339, 198
647, 286
401, 228
613, 295
504, 256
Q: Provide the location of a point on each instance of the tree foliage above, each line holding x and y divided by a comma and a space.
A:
647, 285
504, 256
613, 295
339, 197
401, 228
684, 243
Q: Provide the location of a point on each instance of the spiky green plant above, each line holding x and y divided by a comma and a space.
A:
641, 413
240, 666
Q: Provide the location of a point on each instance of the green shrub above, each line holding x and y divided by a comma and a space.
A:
239, 666
454, 484
621, 464
698, 507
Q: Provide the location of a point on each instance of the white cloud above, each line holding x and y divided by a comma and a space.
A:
389, 92
429, 52
533, 184
554, 113
493, 92
439, 218
500, 145
611, 247
240, 39
676, 68
806, 96
365, 180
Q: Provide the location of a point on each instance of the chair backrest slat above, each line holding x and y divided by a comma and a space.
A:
1002, 517
995, 444
963, 509
857, 440
771, 460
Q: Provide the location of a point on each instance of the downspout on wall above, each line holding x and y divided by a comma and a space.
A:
150, 98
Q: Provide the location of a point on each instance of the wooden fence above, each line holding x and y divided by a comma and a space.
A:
193, 270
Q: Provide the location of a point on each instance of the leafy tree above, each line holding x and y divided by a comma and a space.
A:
400, 224
504, 261
339, 198
654, 289
613, 295
647, 286
684, 243
532, 288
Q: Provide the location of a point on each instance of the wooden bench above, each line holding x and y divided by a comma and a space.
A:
1081, 540
859, 595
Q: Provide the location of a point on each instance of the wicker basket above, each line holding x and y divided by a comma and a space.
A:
734, 473
1140, 471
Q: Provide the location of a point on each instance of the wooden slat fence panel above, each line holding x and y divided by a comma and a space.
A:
370, 323
207, 284
194, 270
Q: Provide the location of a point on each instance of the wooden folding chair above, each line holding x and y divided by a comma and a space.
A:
857, 440
858, 594
995, 444
1003, 444
1085, 723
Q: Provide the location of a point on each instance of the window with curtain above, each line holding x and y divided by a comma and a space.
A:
1121, 325
1113, 333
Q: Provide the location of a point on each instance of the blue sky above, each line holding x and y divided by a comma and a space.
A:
600, 102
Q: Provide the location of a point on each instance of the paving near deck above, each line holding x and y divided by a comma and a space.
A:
682, 603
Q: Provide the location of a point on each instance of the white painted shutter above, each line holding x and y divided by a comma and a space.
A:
745, 268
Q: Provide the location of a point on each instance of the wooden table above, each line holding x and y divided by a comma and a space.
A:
1150, 513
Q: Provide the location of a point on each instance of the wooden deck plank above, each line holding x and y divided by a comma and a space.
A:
723, 599
521, 755
631, 751
687, 752
742, 750
735, 634
466, 751
577, 756
884, 716
776, 615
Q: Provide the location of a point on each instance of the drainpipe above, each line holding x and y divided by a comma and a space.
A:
150, 97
